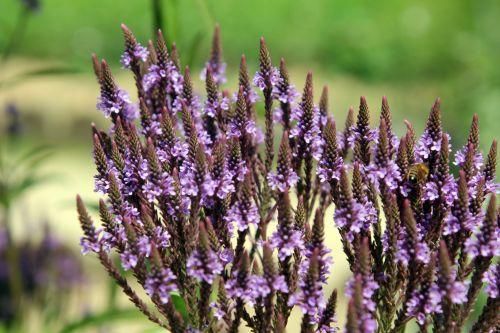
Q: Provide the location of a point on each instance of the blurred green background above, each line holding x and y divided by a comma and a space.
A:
411, 51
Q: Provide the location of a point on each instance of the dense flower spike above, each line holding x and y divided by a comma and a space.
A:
384, 170
310, 297
486, 240
331, 162
196, 205
204, 264
350, 215
285, 177
244, 212
492, 280
114, 102
363, 278
426, 300
134, 52
266, 79
429, 144
285, 93
362, 134
215, 64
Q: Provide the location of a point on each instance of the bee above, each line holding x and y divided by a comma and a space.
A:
417, 173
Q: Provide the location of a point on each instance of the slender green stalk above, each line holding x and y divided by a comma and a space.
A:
157, 10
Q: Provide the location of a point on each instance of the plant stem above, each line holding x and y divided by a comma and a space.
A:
15, 37
157, 9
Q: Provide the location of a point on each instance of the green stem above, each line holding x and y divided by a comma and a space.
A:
16, 34
157, 9
15, 37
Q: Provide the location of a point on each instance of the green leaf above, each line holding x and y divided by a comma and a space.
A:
99, 319
194, 47
35, 155
179, 304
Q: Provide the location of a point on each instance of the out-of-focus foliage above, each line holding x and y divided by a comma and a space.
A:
380, 40
35, 274
19, 169
450, 44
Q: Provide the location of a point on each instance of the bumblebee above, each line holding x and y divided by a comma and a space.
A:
417, 173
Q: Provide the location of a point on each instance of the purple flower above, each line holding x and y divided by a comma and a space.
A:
354, 217
460, 157
449, 190
139, 52
218, 312
259, 79
218, 72
187, 179
388, 174
242, 214
129, 260
89, 246
144, 246
327, 329
428, 144
118, 104
204, 266
211, 106
328, 171
284, 92
458, 292
324, 258
369, 286
309, 299
485, 241
286, 241
226, 256
424, 302
237, 169
219, 185
249, 94
492, 280
260, 288
281, 182
238, 128
370, 135
167, 73
161, 283
457, 220
406, 249
154, 188
430, 191
253, 287
308, 133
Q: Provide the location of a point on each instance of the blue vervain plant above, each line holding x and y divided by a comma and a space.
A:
193, 194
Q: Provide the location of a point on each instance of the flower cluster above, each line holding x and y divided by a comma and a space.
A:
199, 208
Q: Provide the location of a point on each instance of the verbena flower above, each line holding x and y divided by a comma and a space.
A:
310, 297
361, 288
117, 103
260, 78
215, 64
204, 266
195, 199
160, 283
492, 280
138, 52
